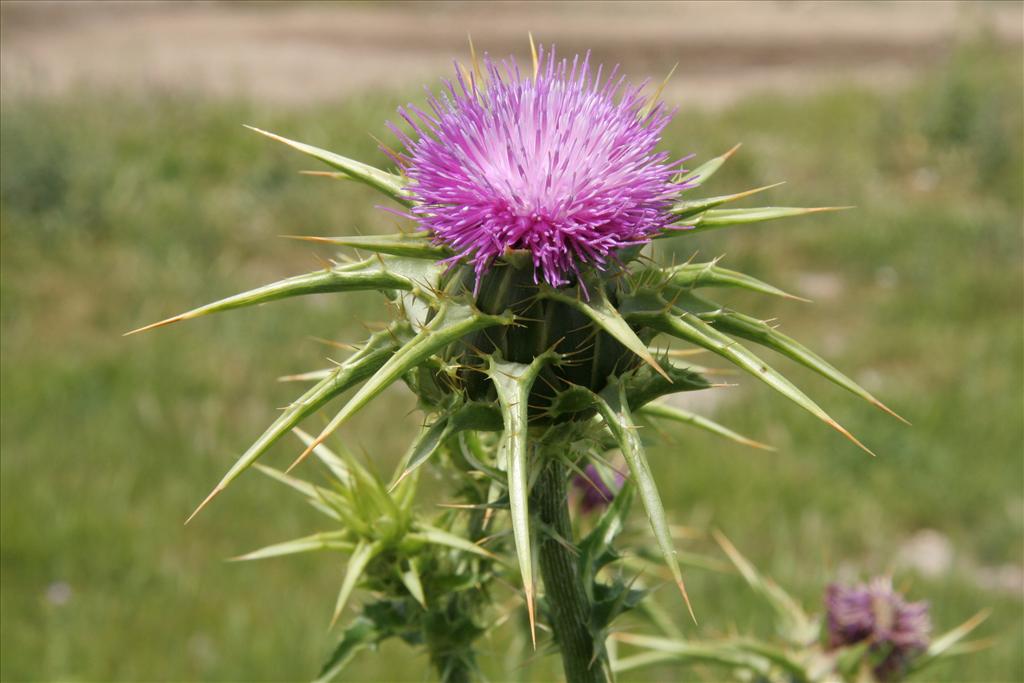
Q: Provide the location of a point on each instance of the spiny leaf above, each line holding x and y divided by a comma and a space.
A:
794, 623
687, 326
390, 184
360, 634
398, 244
945, 645
430, 534
327, 540
600, 539
426, 444
758, 331
451, 323
614, 410
316, 496
513, 382
721, 218
411, 580
329, 458
361, 557
692, 207
643, 386
364, 275
362, 364
668, 649
603, 313
665, 412
700, 175
709, 274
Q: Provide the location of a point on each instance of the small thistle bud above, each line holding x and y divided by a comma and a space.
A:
595, 494
898, 631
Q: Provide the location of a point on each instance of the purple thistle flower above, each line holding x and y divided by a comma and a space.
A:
595, 493
897, 630
561, 164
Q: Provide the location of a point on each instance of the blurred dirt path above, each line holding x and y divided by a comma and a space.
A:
294, 53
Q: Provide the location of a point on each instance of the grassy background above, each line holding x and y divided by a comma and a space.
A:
117, 211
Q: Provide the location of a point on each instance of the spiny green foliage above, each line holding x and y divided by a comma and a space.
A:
461, 347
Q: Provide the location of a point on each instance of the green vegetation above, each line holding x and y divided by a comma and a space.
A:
118, 211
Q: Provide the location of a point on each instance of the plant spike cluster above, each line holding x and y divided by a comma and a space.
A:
523, 352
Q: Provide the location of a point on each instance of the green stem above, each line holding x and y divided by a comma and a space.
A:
568, 606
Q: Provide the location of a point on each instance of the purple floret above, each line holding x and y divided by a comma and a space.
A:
562, 164
897, 630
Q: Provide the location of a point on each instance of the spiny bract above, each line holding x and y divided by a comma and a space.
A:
533, 196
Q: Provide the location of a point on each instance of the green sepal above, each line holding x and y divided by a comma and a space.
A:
710, 274
390, 184
700, 175
666, 412
397, 244
513, 382
759, 332
599, 309
687, 326
363, 275
722, 218
613, 408
691, 207
595, 548
643, 386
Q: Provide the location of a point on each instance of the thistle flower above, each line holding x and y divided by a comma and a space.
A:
897, 630
561, 164
523, 347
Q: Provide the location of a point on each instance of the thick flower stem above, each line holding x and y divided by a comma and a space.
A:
568, 605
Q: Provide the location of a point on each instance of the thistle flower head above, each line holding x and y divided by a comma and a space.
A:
560, 162
878, 614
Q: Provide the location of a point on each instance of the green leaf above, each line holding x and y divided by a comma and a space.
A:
452, 322
688, 651
722, 218
614, 410
390, 184
326, 540
411, 580
364, 275
794, 624
687, 326
429, 534
759, 332
643, 386
513, 382
700, 175
693, 275
666, 412
692, 207
357, 563
427, 443
362, 364
601, 537
398, 244
603, 313
946, 644
318, 497
359, 635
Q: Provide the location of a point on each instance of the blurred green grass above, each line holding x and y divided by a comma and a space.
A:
118, 210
